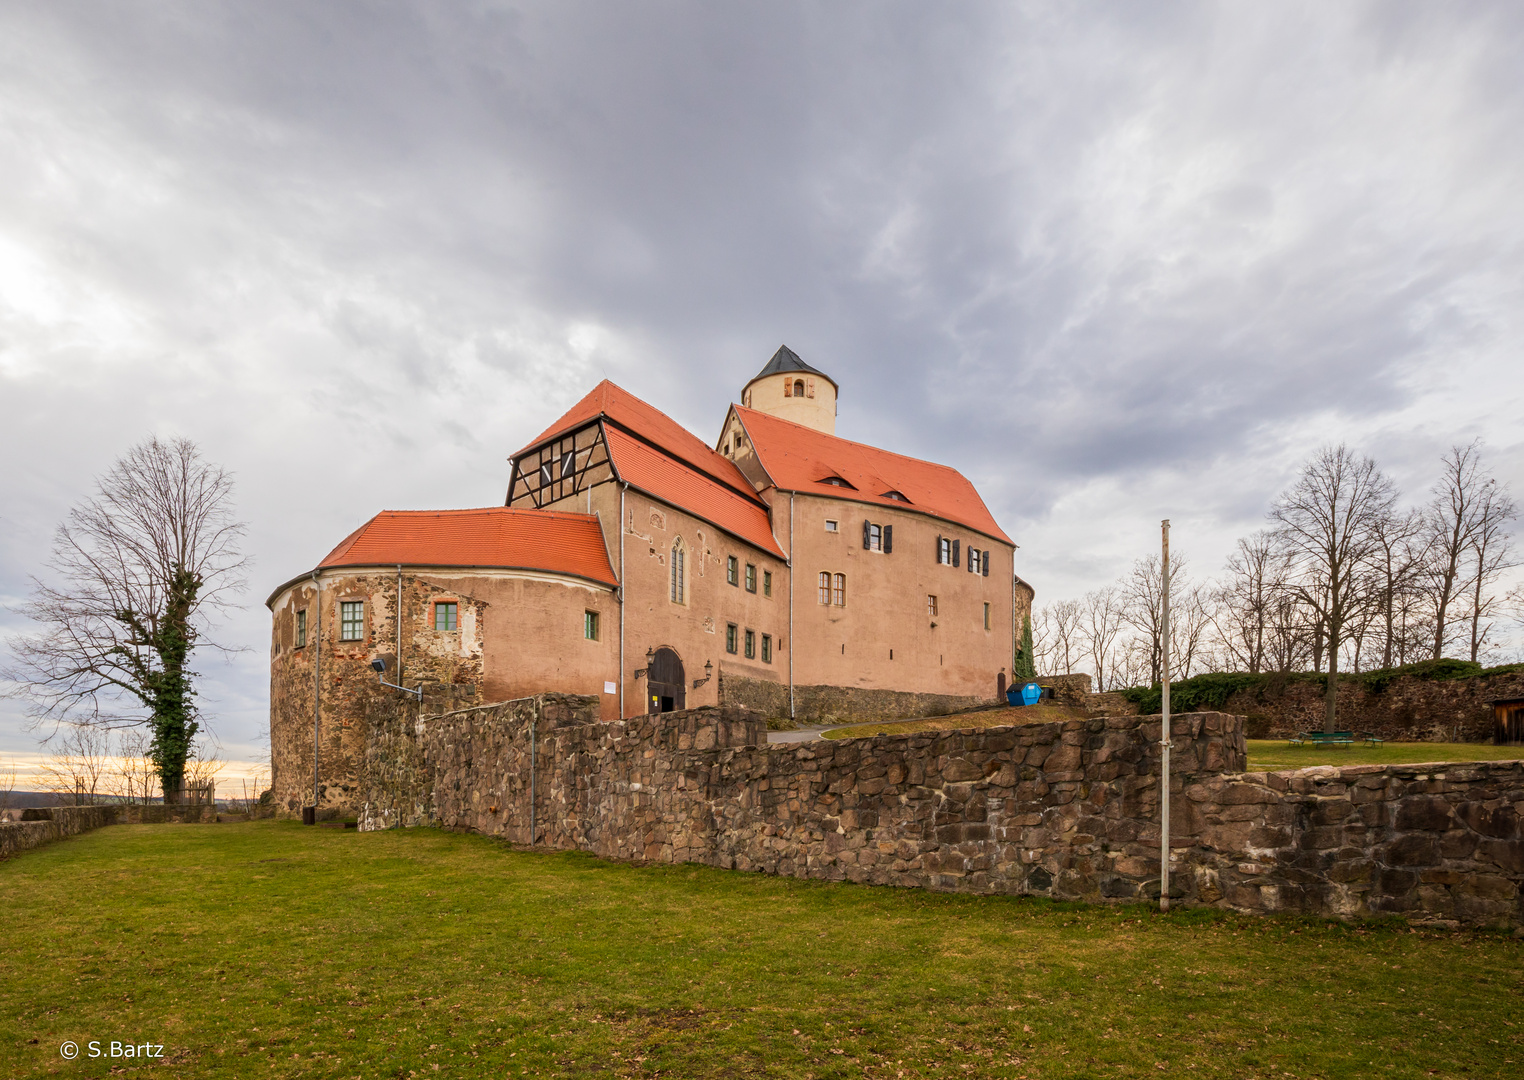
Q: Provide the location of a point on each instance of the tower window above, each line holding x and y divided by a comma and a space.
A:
590, 625
301, 629
730, 637
751, 578
825, 587
986, 616
931, 605
799, 388
839, 590
732, 570
446, 615
831, 526
352, 620
944, 551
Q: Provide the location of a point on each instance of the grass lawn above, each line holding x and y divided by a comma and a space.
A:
269, 950
984, 718
1275, 754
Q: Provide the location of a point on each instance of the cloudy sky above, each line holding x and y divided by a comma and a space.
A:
1115, 262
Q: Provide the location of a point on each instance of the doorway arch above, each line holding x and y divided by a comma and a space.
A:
666, 684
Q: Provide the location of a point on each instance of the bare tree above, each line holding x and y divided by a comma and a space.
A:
1490, 554
1328, 521
1143, 604
139, 567
7, 788
79, 766
134, 778
1451, 520
1190, 615
1396, 561
1065, 630
1102, 622
1244, 611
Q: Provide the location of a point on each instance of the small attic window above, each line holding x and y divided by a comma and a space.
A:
895, 495
835, 481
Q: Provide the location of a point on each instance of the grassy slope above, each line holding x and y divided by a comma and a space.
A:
1275, 754
269, 950
984, 718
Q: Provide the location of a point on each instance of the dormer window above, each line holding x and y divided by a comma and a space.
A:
895, 495
836, 481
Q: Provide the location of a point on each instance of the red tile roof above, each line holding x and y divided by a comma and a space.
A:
632, 414
493, 536
799, 458
644, 467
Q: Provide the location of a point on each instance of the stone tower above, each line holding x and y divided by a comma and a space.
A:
789, 388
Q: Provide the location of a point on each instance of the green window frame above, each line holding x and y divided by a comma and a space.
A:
446, 615
767, 583
767, 648
351, 620
751, 578
590, 625
732, 570
751, 644
301, 629
730, 637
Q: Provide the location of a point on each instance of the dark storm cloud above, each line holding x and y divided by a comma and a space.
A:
1114, 261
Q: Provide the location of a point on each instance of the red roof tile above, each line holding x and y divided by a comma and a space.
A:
494, 536
671, 481
799, 458
635, 415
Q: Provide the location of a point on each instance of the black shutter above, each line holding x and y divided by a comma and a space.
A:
865, 534
956, 544
888, 539
939, 549
985, 558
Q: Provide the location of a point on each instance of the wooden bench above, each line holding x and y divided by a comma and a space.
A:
1323, 738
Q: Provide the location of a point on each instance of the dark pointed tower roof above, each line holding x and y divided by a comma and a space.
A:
786, 359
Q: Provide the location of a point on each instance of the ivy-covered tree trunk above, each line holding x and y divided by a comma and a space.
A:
1026, 665
171, 694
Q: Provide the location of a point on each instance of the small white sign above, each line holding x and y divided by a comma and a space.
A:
610, 688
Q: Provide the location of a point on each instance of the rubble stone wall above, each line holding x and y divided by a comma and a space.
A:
44, 825
1067, 810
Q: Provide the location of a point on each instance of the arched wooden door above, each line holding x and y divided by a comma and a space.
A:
666, 686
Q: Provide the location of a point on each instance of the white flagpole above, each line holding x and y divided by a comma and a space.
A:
1164, 736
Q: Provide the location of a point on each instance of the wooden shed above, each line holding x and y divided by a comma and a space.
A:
1508, 722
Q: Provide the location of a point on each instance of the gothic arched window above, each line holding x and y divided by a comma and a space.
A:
677, 571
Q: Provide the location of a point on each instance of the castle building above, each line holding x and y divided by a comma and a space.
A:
783, 568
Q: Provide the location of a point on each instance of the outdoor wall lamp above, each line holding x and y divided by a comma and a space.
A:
379, 666
640, 673
708, 674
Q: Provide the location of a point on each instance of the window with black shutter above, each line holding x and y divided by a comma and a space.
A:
956, 545
888, 539
867, 534
984, 557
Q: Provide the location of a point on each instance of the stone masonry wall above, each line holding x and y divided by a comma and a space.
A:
42, 826
1067, 810
838, 704
1408, 709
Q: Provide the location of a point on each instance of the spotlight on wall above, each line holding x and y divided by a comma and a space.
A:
378, 665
